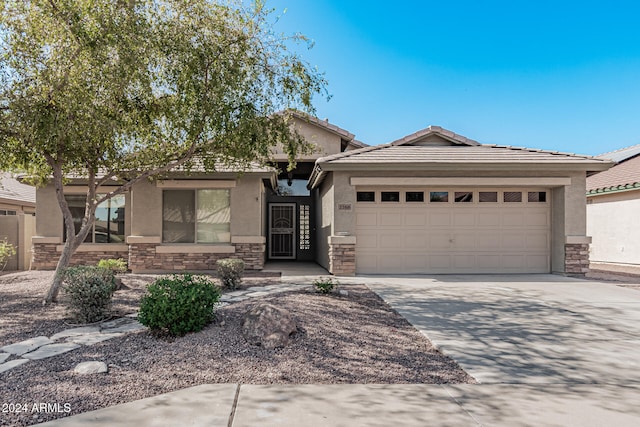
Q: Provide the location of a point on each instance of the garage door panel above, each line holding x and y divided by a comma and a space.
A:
513, 241
439, 241
464, 219
511, 219
464, 241
491, 219
415, 219
540, 219
441, 238
389, 241
416, 241
366, 219
367, 241
538, 242
390, 219
440, 219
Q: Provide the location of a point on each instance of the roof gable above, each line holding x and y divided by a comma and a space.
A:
434, 136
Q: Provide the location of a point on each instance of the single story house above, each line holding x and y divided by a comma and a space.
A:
613, 213
17, 222
431, 202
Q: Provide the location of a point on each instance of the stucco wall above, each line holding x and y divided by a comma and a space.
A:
324, 220
326, 142
246, 210
613, 220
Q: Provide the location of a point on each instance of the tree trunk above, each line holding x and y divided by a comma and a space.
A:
63, 263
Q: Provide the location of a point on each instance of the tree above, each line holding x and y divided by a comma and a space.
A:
118, 91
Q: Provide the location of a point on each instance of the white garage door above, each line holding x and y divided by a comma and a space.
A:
454, 230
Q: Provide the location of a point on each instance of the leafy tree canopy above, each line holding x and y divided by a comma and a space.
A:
127, 89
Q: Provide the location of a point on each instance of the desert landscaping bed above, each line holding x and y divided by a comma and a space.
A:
355, 338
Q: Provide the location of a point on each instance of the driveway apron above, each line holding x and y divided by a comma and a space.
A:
525, 329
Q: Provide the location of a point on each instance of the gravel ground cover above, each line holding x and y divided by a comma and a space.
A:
341, 339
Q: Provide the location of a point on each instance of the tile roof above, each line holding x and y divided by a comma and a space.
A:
621, 154
623, 176
11, 189
460, 150
439, 147
345, 134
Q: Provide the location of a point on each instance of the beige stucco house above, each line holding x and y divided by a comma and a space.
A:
432, 202
613, 213
17, 207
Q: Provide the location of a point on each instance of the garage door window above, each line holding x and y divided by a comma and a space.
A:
512, 196
414, 196
537, 197
463, 196
488, 197
439, 197
390, 196
366, 196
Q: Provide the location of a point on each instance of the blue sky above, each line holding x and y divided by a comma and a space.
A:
559, 75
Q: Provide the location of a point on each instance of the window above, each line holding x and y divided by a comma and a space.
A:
463, 196
390, 196
512, 196
537, 196
196, 216
366, 196
5, 212
109, 224
488, 197
304, 224
439, 196
414, 196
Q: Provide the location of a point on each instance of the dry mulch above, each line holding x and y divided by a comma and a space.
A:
342, 339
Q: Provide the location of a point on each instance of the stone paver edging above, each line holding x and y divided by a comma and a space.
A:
70, 339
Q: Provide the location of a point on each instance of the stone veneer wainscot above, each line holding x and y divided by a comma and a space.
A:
342, 255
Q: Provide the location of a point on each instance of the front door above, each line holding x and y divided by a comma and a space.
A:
282, 231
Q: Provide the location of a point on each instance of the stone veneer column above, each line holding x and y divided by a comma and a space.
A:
576, 255
342, 255
45, 255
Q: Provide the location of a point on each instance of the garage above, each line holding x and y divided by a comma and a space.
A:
452, 230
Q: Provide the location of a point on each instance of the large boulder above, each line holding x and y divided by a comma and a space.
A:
268, 326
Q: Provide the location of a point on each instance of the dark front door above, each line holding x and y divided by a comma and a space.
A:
291, 229
282, 231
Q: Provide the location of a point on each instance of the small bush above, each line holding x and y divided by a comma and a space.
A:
90, 290
178, 304
116, 265
230, 272
7, 250
325, 286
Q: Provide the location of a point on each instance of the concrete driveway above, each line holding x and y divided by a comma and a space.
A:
547, 350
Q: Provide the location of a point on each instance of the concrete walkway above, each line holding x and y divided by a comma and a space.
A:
547, 350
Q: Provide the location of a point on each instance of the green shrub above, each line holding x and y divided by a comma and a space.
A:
116, 265
325, 286
7, 250
178, 304
230, 272
90, 290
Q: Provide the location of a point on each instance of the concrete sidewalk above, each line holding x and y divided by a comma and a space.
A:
547, 350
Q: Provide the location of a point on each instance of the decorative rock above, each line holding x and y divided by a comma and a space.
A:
50, 351
95, 367
26, 346
12, 364
343, 293
268, 325
4, 356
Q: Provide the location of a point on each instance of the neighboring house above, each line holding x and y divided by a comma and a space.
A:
613, 213
432, 202
17, 208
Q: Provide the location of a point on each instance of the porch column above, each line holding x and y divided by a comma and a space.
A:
342, 255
